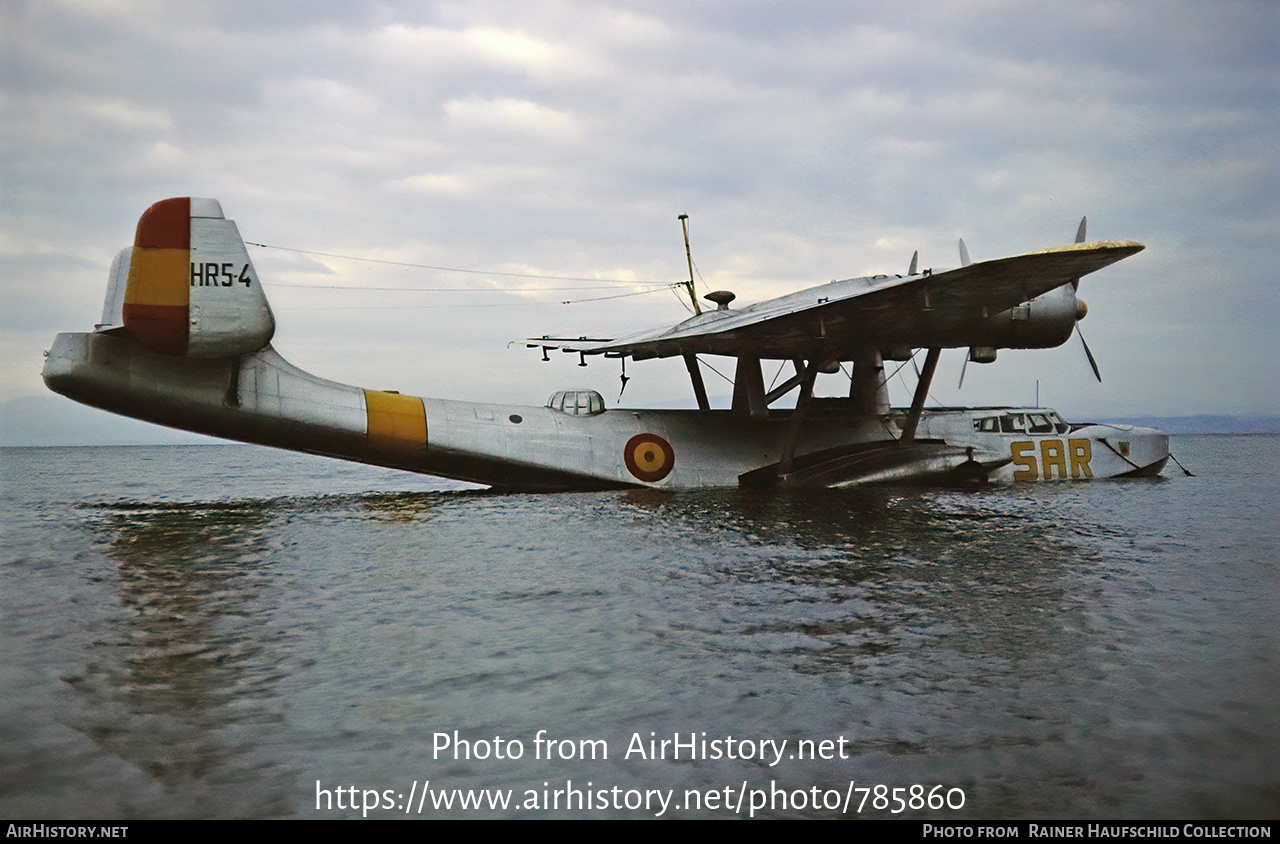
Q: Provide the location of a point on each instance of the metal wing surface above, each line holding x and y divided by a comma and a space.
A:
830, 320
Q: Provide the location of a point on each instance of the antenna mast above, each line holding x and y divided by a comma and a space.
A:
693, 296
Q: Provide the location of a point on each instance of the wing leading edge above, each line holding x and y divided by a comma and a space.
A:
831, 321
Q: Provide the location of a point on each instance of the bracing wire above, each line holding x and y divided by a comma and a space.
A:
716, 371
776, 375
447, 269
654, 286
471, 304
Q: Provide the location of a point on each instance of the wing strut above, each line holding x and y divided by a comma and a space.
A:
922, 391
807, 372
699, 386
748, 389
867, 386
788, 385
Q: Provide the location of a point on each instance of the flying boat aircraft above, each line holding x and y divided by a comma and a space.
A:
185, 341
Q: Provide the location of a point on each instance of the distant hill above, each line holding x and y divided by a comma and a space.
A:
1253, 423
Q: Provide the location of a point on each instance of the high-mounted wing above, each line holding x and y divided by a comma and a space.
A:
831, 321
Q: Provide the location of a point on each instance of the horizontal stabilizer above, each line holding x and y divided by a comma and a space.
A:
113, 306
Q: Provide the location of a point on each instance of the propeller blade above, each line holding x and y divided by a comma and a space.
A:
963, 366
1075, 283
964, 254
1089, 354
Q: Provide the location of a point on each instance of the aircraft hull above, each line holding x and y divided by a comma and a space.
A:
261, 398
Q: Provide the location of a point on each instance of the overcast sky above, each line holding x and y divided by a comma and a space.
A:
807, 141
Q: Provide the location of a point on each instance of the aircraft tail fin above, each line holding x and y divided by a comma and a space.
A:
187, 286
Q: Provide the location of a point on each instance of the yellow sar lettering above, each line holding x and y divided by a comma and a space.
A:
1054, 454
1080, 454
1029, 470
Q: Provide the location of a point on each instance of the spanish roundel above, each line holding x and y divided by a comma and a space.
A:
649, 457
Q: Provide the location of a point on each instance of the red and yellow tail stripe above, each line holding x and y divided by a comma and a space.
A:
157, 297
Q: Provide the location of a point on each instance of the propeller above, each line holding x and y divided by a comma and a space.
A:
1082, 308
1089, 354
964, 262
1084, 222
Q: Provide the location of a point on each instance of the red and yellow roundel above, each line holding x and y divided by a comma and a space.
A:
649, 457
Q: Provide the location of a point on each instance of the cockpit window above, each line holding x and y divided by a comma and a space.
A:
1012, 424
1046, 422
1038, 423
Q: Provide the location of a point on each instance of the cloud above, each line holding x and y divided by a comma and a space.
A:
807, 142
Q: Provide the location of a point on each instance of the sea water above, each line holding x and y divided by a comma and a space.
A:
227, 631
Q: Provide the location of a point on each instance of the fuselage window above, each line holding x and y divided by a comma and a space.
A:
987, 424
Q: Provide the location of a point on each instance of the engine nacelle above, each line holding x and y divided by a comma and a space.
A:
187, 286
1044, 322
